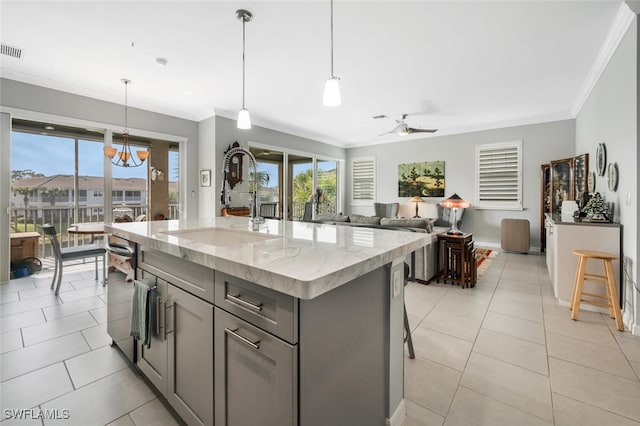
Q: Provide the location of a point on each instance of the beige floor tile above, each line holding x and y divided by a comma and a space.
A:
513, 350
83, 293
509, 295
589, 354
514, 386
75, 307
420, 416
100, 315
413, 321
31, 358
24, 319
10, 341
593, 387
153, 413
590, 331
97, 336
55, 328
561, 313
569, 412
418, 308
22, 421
35, 388
16, 285
27, 305
636, 367
9, 297
441, 348
87, 282
517, 327
463, 328
471, 408
122, 421
126, 392
518, 310
42, 291
428, 293
630, 346
517, 275
465, 310
95, 365
430, 384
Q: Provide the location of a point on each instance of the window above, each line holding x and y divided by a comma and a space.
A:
363, 179
499, 176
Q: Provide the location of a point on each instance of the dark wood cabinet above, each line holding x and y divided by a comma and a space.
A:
561, 180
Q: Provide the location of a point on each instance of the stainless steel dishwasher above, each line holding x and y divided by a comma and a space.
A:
122, 266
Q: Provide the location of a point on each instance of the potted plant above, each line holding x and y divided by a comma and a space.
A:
597, 209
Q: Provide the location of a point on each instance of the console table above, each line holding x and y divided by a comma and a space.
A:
455, 255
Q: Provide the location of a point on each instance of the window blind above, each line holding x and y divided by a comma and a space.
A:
363, 172
499, 175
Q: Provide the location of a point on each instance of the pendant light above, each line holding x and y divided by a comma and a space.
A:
244, 121
332, 86
123, 158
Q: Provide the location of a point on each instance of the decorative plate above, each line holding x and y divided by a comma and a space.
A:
601, 159
591, 183
612, 176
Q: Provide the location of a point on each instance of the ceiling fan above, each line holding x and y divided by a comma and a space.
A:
402, 128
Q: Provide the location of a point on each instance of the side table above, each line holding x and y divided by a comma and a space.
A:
455, 256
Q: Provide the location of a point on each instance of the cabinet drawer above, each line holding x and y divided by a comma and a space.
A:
189, 276
270, 310
256, 375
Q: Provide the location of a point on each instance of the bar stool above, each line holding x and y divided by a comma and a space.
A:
608, 280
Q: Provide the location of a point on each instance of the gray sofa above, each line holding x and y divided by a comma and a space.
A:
425, 258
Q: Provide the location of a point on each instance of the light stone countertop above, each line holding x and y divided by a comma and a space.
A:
300, 259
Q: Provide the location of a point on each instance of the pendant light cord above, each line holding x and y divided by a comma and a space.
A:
244, 20
331, 38
126, 110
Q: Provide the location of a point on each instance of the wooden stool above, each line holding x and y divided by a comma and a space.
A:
608, 280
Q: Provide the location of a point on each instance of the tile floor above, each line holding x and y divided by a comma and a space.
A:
500, 354
504, 353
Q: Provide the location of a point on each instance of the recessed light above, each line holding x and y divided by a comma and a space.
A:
49, 128
188, 93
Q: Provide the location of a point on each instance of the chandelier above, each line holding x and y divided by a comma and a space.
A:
124, 158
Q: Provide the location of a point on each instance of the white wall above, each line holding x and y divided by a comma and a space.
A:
610, 115
541, 143
207, 160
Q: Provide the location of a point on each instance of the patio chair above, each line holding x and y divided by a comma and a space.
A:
69, 253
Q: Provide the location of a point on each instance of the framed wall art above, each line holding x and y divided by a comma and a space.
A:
421, 179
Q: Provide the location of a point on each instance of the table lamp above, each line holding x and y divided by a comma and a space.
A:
454, 203
416, 200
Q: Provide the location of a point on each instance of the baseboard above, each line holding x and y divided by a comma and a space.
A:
397, 419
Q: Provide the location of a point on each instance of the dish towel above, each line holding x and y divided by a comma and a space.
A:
141, 315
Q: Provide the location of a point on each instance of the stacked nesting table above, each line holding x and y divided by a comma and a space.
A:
455, 255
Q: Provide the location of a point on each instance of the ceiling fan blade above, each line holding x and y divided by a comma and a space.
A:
380, 116
414, 130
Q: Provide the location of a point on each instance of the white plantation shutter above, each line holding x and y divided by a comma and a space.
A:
499, 175
363, 180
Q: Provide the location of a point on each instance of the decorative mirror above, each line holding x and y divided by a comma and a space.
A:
235, 166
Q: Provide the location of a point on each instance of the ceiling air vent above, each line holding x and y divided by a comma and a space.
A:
10, 51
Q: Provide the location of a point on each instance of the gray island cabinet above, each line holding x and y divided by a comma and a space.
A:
267, 328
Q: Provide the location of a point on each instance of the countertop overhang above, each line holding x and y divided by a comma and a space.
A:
302, 259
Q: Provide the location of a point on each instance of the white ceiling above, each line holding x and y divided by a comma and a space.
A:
462, 65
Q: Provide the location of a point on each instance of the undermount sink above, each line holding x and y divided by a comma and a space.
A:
220, 237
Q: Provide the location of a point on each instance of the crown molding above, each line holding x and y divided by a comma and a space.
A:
619, 28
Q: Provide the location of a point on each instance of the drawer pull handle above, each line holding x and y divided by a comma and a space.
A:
237, 298
254, 345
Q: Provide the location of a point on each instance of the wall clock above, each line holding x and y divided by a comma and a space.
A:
591, 184
612, 176
601, 159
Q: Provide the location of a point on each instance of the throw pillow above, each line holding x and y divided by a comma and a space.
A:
412, 223
332, 217
369, 220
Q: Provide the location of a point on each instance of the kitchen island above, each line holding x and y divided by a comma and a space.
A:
292, 324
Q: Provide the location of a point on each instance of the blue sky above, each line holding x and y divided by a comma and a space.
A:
51, 155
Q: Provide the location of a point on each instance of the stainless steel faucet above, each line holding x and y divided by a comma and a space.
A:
253, 177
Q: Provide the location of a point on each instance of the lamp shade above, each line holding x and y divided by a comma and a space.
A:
244, 121
455, 202
416, 199
332, 92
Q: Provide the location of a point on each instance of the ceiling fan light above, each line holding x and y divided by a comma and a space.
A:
332, 92
244, 120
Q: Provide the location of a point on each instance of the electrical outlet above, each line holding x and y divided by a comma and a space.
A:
397, 283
